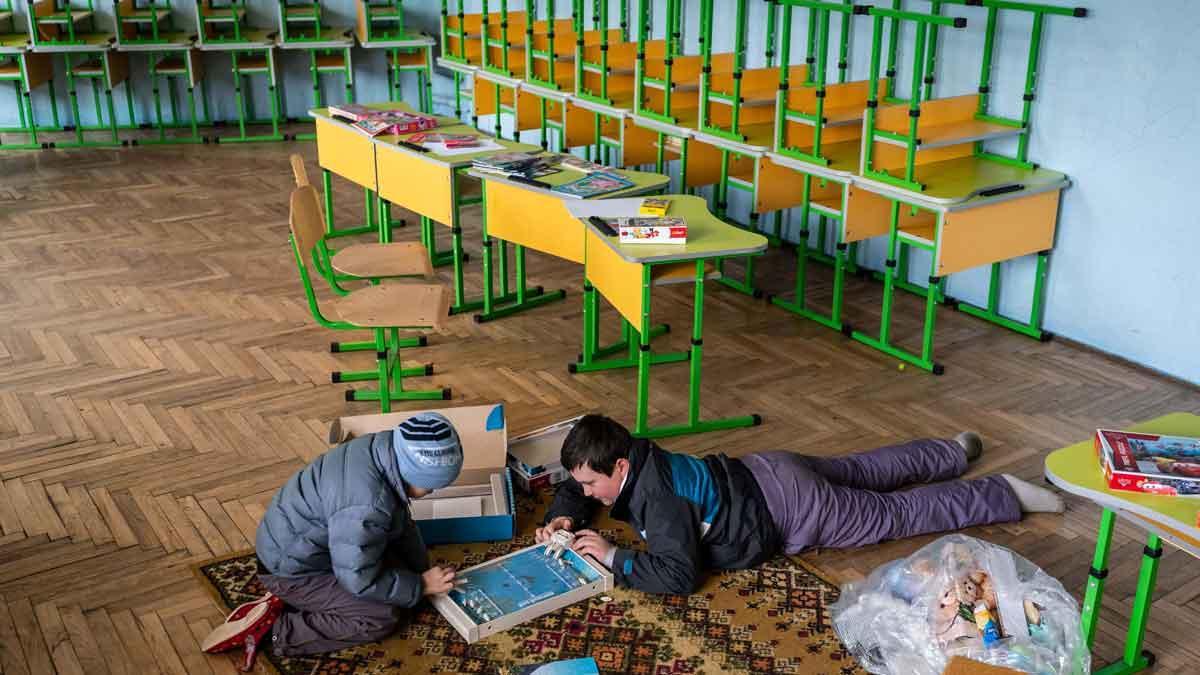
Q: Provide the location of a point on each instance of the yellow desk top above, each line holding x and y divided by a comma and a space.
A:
957, 181
390, 142
1076, 469
643, 182
708, 237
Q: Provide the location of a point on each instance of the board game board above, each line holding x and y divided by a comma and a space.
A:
496, 595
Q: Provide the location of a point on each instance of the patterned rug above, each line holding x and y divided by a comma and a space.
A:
772, 619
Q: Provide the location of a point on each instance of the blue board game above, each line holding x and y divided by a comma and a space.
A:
519, 581
499, 594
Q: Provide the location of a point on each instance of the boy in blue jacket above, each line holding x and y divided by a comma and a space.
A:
732, 513
338, 549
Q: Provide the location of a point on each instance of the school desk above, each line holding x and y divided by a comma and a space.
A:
535, 217
344, 151
973, 212
429, 184
625, 273
1076, 469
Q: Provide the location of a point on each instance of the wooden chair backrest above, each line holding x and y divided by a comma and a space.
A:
307, 223
299, 171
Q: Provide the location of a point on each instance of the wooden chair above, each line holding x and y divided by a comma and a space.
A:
364, 261
383, 308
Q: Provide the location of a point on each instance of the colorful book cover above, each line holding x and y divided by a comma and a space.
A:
593, 184
351, 111
654, 206
667, 230
581, 165
1150, 463
584, 666
371, 127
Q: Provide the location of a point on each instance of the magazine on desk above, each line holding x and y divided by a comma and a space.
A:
527, 164
376, 121
594, 184
1149, 463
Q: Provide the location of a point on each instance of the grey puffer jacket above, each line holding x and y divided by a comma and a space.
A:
347, 513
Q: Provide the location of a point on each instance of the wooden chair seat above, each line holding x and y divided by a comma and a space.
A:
75, 17
11, 71
311, 11
221, 14
399, 305
253, 64
171, 65
146, 15
416, 58
331, 61
89, 68
375, 261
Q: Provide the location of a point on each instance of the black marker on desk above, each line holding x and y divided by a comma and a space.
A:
413, 146
602, 225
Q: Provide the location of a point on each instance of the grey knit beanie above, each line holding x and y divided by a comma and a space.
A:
428, 451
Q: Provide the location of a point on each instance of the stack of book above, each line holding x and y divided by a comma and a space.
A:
376, 121
1149, 463
509, 164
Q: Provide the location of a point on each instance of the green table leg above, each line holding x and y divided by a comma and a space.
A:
694, 423
1090, 612
593, 357
1136, 659
526, 298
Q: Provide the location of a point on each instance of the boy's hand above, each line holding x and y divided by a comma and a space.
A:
437, 580
590, 543
560, 523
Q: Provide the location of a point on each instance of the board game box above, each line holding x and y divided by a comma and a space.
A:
584, 666
534, 458
1149, 463
665, 230
498, 594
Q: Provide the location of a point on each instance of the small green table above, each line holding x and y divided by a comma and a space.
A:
1076, 469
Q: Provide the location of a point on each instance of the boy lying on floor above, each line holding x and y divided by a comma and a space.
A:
717, 511
338, 550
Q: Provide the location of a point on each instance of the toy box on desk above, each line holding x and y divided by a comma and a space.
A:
479, 505
663, 230
1150, 463
533, 458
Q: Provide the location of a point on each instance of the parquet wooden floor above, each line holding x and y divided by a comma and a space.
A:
160, 377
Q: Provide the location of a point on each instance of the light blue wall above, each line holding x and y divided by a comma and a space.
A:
1117, 110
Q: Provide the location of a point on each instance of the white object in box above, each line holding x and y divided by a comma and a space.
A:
652, 230
534, 457
478, 506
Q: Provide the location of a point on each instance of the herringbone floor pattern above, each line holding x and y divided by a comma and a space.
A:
160, 377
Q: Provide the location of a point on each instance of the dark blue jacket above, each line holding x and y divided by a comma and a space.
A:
694, 513
347, 513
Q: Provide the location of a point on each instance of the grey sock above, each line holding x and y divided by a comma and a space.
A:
1034, 499
971, 444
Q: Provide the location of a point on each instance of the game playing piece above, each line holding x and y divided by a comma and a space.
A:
560, 541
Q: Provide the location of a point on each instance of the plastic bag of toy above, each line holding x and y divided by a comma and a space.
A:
961, 596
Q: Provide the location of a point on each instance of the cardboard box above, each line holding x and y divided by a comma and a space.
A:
484, 486
666, 230
1149, 463
534, 457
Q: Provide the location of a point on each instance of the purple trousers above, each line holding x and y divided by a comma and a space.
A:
841, 502
321, 616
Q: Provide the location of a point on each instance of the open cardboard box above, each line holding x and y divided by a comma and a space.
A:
479, 505
535, 457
